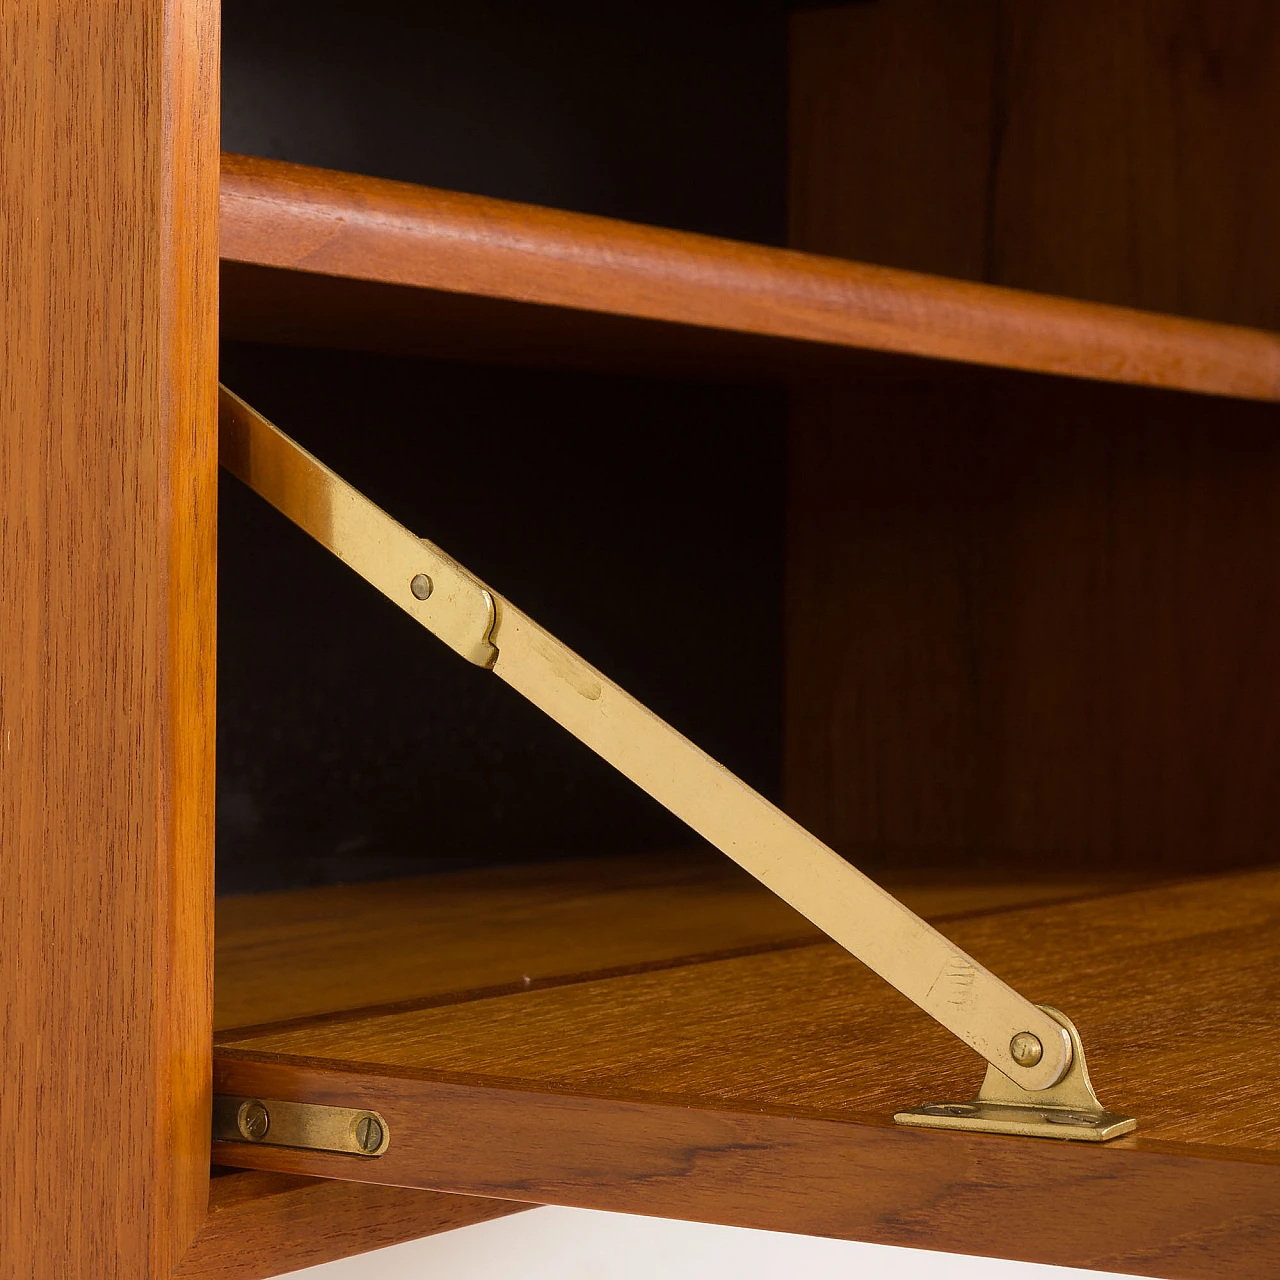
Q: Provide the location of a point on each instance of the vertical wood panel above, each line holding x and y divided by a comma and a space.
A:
1034, 620
1117, 152
1031, 620
1137, 162
108, 194
891, 120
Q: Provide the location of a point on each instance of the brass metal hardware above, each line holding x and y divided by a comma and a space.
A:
252, 1121
299, 1124
1034, 1048
1069, 1109
1025, 1049
459, 608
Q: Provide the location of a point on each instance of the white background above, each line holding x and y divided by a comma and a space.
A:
579, 1244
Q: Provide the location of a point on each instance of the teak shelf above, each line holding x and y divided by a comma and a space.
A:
330, 259
1032, 594
754, 1089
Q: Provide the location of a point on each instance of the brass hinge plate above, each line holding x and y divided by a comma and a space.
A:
1069, 1109
304, 1125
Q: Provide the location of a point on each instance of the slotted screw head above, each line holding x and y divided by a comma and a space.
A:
253, 1121
1073, 1117
368, 1134
1026, 1049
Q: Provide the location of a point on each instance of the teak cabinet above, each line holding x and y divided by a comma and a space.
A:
1031, 607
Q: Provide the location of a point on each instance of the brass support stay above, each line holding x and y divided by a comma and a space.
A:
1031, 1047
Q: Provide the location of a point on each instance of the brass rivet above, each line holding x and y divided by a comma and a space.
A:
253, 1121
1026, 1049
368, 1134
420, 586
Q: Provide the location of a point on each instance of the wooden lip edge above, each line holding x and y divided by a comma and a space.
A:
297, 1079
336, 1219
1111, 1205
231, 1062
300, 1074
1224, 359
467, 995
233, 1189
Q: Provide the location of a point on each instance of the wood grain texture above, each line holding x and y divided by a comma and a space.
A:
1099, 151
1148, 1209
287, 955
1129, 160
297, 219
263, 1224
108, 467
757, 1091
1033, 625
891, 119
312, 951
277, 305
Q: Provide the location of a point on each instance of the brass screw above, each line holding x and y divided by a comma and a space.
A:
1026, 1049
421, 586
368, 1134
253, 1121
1073, 1117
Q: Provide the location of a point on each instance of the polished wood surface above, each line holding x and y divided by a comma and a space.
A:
1152, 1209
263, 1224
785, 1028
278, 305
289, 957
781, 1070
291, 954
294, 219
312, 951
1097, 150
1033, 626
108, 468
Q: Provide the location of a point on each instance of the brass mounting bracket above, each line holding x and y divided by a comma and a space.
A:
1036, 1062
306, 1126
1068, 1109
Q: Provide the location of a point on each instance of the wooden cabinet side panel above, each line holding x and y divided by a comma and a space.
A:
108, 196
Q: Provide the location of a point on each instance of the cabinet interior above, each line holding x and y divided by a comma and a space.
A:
976, 583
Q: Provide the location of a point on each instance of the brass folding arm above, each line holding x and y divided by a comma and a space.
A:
1036, 1083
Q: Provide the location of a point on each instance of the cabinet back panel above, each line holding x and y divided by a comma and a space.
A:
1116, 152
1037, 621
